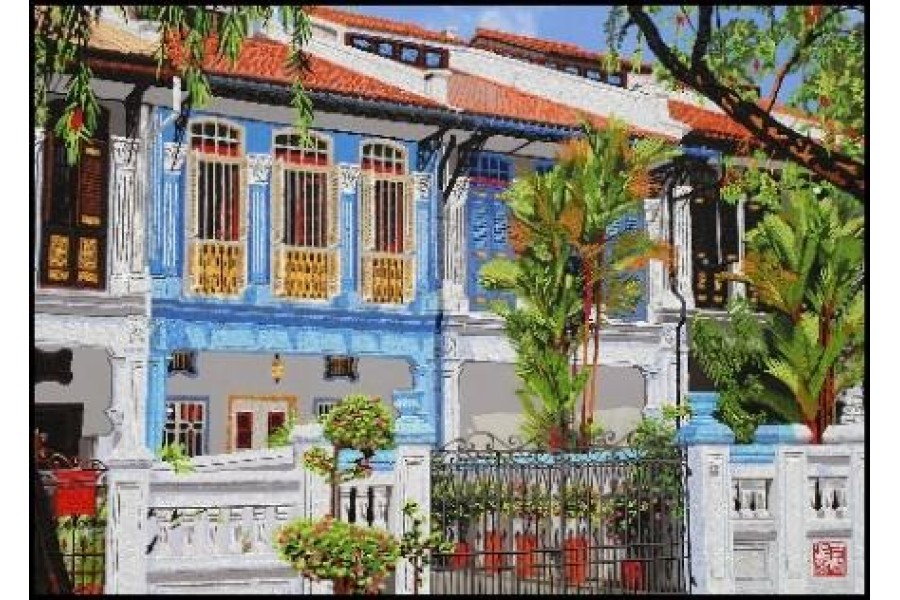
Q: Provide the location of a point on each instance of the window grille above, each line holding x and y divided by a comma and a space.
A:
323, 406
387, 225
305, 218
217, 185
415, 55
186, 425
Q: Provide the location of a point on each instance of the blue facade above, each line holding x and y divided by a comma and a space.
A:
257, 321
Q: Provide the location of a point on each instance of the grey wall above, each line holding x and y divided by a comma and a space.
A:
222, 374
488, 400
91, 385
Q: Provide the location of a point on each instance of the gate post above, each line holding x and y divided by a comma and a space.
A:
709, 497
412, 471
128, 482
315, 493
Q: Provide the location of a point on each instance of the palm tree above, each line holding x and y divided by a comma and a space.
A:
608, 177
565, 214
806, 263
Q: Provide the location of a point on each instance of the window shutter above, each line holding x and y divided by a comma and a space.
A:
333, 203
367, 211
91, 181
409, 239
243, 223
276, 202
193, 228
409, 216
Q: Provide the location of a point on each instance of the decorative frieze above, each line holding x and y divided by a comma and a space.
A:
259, 166
460, 191
174, 155
349, 177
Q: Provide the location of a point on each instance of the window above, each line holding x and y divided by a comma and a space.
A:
490, 169
186, 420
252, 419
73, 210
387, 224
341, 367
323, 406
217, 205
305, 218
183, 362
416, 55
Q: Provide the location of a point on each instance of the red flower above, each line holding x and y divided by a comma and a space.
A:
812, 15
76, 120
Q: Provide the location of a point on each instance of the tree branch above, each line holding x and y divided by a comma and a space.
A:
781, 141
704, 31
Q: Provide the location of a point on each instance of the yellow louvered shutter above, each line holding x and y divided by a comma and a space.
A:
193, 228
367, 233
277, 229
409, 239
334, 232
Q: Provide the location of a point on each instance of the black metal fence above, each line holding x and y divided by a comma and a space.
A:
528, 521
77, 495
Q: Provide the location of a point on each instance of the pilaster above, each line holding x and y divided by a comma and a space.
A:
127, 224
348, 178
128, 482
259, 170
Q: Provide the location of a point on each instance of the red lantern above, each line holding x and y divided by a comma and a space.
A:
76, 492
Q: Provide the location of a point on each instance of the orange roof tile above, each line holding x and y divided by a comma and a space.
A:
371, 23
707, 122
265, 60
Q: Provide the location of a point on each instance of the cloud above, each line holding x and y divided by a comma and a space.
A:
519, 19
514, 19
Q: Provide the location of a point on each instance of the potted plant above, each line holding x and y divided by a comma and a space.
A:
579, 503
357, 559
530, 503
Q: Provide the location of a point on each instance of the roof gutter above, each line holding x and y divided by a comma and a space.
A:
378, 108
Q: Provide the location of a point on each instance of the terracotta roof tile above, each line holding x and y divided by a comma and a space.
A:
371, 23
707, 122
262, 59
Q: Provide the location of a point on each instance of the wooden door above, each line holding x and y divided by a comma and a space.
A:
251, 419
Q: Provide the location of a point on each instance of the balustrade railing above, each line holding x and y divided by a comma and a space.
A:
217, 268
387, 278
306, 273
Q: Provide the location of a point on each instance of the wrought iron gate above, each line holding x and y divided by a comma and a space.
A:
529, 521
77, 495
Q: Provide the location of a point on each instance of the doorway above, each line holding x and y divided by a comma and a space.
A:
251, 419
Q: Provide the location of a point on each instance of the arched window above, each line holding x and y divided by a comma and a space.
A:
387, 224
304, 217
217, 205
74, 208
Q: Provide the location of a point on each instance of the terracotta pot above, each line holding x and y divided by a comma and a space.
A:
462, 556
576, 559
632, 574
526, 560
493, 546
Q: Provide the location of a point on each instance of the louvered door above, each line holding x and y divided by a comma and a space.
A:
488, 226
74, 213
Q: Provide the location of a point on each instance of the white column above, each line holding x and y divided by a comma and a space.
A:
127, 537
128, 360
454, 288
315, 494
710, 525
656, 279
654, 388
125, 223
738, 289
450, 371
413, 473
791, 493
38, 198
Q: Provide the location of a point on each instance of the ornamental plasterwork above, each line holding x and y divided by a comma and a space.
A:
449, 344
118, 335
174, 156
349, 177
259, 166
422, 185
460, 191
125, 152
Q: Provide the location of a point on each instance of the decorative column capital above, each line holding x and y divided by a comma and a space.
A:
422, 182
348, 176
460, 191
174, 155
125, 152
259, 166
